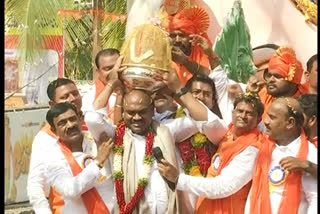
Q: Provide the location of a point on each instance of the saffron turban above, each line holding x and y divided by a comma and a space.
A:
285, 63
193, 20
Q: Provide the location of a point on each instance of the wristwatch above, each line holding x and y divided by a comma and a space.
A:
182, 91
100, 165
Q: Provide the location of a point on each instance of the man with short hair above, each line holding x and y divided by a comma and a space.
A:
59, 90
106, 60
226, 186
261, 56
274, 189
311, 74
203, 89
81, 184
309, 104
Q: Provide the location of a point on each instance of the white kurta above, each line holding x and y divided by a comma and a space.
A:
42, 145
156, 192
222, 82
71, 187
308, 202
89, 97
231, 179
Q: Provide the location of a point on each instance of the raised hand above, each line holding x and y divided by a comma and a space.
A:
104, 149
196, 39
178, 56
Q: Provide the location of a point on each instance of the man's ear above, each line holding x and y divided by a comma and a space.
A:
51, 103
312, 121
291, 122
53, 129
306, 75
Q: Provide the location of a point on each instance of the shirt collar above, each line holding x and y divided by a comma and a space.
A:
293, 146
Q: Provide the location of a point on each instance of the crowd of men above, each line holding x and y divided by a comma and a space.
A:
227, 147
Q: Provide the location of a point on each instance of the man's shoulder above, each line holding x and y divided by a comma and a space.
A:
43, 140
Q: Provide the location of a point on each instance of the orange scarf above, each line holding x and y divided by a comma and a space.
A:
55, 200
267, 100
92, 200
228, 149
99, 88
260, 199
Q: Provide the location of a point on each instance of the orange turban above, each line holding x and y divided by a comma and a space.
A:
284, 61
193, 20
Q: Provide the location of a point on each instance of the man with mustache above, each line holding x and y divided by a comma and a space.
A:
228, 180
59, 90
311, 74
135, 134
81, 184
188, 57
282, 77
283, 190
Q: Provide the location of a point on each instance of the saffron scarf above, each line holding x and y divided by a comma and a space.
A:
260, 199
92, 200
228, 149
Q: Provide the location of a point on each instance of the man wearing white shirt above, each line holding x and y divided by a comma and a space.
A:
68, 169
105, 61
226, 186
209, 132
59, 90
275, 190
138, 112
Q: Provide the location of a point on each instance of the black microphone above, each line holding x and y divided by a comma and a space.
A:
157, 153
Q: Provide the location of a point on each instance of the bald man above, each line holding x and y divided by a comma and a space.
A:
134, 137
276, 189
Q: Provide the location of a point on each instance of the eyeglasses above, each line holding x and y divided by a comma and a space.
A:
267, 76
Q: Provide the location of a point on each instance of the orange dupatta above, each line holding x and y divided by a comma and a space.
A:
260, 199
228, 149
55, 200
99, 88
92, 200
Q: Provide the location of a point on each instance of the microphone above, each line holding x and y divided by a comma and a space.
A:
157, 153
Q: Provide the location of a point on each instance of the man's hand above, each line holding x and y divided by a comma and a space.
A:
293, 164
234, 90
178, 56
172, 80
104, 150
168, 171
113, 74
254, 85
202, 43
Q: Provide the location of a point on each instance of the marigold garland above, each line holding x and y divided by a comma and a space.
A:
194, 155
118, 172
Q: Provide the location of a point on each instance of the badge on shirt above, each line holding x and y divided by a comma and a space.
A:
216, 162
277, 175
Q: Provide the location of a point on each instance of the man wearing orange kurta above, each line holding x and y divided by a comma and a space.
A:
228, 180
189, 58
283, 78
